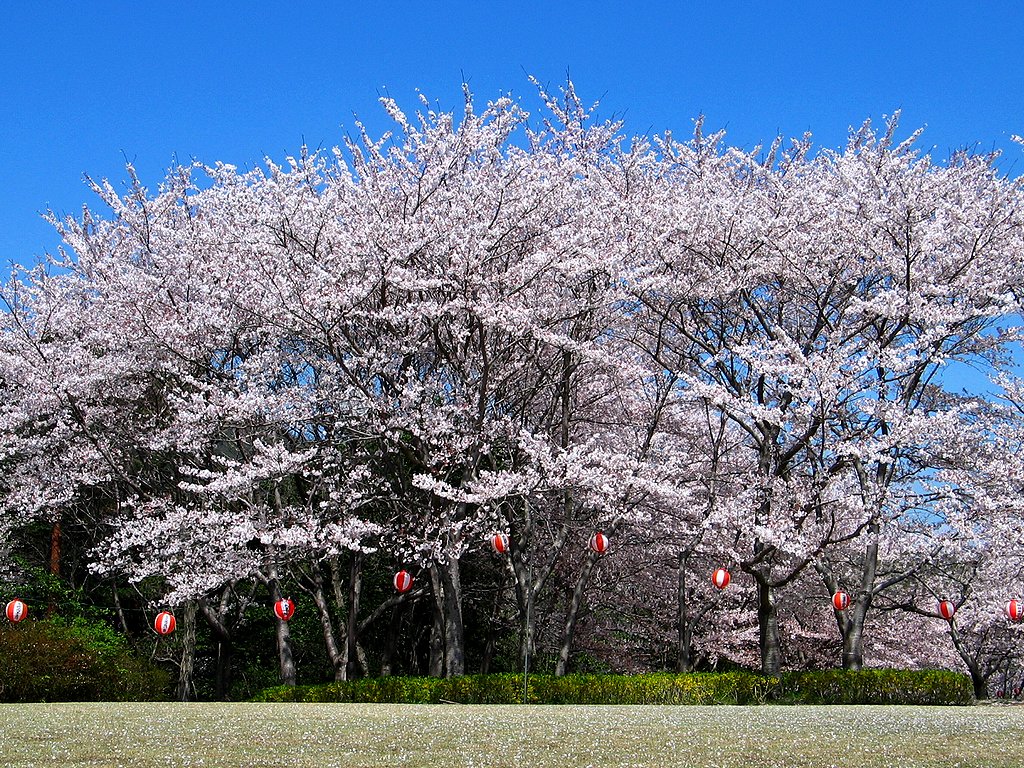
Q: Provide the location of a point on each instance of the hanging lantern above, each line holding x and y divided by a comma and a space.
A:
946, 610
840, 601
403, 581
500, 543
721, 578
16, 610
1015, 610
284, 609
599, 543
164, 623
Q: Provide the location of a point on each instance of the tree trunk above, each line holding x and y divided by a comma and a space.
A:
978, 679
569, 632
225, 669
853, 637
525, 592
284, 644
185, 690
387, 657
355, 588
454, 631
492, 626
119, 610
55, 557
684, 662
55, 536
225, 646
436, 662
768, 628
323, 610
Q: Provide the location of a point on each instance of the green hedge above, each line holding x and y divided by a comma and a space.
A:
874, 686
75, 660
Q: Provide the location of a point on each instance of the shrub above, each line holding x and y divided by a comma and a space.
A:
875, 686
74, 661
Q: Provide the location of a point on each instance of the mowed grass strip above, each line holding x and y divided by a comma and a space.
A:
361, 735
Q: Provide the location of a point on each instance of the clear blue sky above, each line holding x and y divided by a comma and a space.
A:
85, 86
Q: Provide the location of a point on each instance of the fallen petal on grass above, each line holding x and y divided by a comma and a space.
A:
367, 736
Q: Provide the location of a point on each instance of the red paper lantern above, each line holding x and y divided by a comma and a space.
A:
164, 623
16, 610
500, 543
946, 610
840, 601
1015, 610
599, 543
284, 609
721, 578
403, 581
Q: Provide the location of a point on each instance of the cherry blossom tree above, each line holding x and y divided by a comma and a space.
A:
813, 300
491, 321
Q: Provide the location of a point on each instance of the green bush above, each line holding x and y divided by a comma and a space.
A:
74, 660
875, 686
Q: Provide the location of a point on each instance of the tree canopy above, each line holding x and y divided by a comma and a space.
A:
379, 356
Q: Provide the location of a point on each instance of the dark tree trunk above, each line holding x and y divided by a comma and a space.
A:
225, 669
355, 589
391, 643
119, 610
225, 646
55, 554
684, 662
492, 626
55, 558
185, 690
978, 679
768, 628
435, 664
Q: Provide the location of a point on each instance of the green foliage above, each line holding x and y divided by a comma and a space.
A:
40, 588
876, 686
74, 660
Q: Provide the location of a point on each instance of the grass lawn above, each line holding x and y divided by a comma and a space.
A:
272, 735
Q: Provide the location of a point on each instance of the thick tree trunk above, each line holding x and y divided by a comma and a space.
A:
853, 638
391, 643
185, 690
684, 662
454, 631
575, 605
355, 589
768, 628
225, 646
225, 670
284, 644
